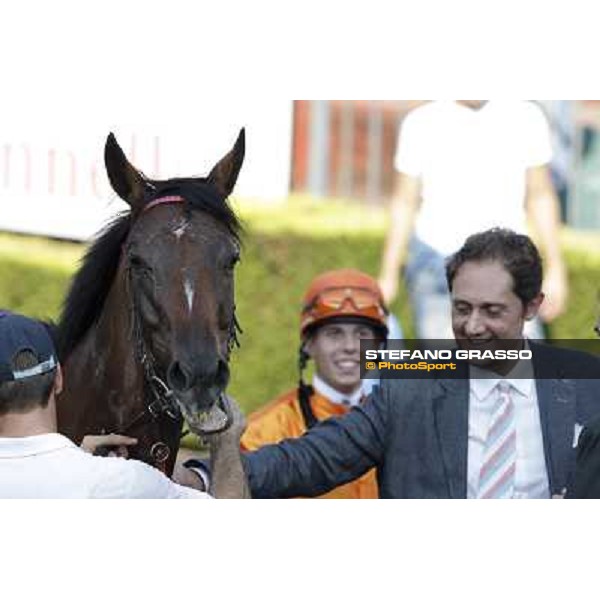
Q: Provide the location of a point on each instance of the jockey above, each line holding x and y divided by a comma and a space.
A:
340, 308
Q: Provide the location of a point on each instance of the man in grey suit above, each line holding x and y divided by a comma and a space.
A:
489, 433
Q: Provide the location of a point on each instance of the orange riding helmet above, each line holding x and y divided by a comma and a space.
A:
343, 293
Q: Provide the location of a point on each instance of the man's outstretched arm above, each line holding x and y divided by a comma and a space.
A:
330, 454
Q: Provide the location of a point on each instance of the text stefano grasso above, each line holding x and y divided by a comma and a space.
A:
456, 354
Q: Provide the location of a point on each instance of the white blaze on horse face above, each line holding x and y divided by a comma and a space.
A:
180, 229
188, 287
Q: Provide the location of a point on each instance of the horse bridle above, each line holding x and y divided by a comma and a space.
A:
163, 404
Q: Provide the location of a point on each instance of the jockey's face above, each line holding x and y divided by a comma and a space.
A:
335, 348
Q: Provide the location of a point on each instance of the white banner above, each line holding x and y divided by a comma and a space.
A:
52, 176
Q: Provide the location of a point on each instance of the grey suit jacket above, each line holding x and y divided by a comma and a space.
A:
415, 432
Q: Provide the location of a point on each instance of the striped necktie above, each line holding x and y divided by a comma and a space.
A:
497, 475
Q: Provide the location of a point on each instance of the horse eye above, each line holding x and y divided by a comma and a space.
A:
138, 264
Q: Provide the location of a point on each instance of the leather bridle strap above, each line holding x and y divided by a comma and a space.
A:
163, 395
162, 405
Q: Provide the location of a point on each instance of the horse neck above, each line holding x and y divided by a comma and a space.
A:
114, 337
104, 381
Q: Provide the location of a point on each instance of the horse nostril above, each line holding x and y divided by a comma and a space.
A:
182, 377
177, 378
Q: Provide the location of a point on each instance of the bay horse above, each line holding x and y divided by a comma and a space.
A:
149, 321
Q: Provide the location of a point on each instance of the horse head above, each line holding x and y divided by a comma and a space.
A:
178, 262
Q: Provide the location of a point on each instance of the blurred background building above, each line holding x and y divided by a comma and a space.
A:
52, 179
346, 149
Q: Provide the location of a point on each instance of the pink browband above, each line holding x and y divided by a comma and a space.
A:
163, 200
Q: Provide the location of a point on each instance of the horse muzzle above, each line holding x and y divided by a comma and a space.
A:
206, 421
200, 398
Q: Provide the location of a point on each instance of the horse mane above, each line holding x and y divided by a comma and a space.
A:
92, 282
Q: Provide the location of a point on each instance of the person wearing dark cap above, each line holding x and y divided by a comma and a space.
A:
37, 462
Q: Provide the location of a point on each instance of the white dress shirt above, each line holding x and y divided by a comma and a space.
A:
531, 476
336, 397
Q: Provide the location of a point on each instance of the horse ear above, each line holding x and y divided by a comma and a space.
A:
225, 173
124, 178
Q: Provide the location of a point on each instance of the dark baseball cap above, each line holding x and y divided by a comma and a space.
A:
19, 333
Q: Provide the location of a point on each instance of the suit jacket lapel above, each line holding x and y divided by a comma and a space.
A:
451, 419
556, 401
557, 406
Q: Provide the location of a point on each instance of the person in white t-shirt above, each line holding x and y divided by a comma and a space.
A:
463, 167
38, 462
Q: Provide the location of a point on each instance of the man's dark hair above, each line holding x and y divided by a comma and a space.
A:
25, 394
516, 252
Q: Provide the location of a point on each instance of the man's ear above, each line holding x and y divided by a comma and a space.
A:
307, 346
533, 307
58, 381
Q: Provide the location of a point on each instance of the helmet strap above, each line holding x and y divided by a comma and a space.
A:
305, 390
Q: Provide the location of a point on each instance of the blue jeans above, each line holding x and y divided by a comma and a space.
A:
425, 278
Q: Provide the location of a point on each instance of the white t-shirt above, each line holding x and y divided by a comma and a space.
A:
472, 165
51, 466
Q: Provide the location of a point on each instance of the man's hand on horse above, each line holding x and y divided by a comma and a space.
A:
111, 444
237, 424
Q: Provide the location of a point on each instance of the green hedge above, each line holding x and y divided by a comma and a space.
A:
279, 259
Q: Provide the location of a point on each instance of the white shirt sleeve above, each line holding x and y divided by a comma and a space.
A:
411, 145
135, 479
